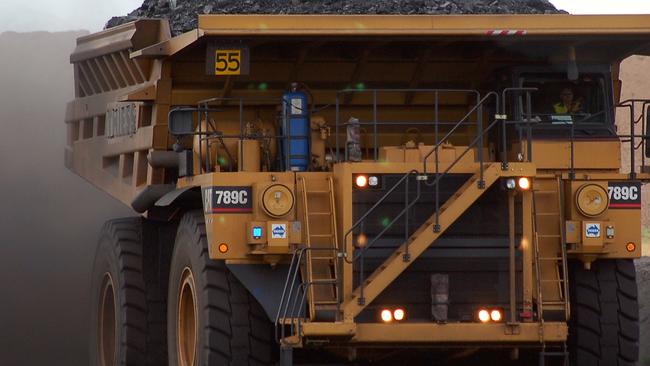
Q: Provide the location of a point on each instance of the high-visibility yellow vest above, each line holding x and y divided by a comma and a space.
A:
560, 108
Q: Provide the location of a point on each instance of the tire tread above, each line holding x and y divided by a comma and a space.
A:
604, 329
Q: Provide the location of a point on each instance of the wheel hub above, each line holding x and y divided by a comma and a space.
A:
187, 327
107, 325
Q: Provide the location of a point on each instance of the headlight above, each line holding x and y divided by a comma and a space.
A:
524, 183
361, 181
277, 200
592, 200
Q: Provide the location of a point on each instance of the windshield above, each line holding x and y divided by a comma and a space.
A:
559, 103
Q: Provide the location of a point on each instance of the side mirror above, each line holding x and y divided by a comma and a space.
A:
180, 121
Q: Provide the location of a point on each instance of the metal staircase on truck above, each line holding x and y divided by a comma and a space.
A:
321, 243
313, 289
552, 295
550, 249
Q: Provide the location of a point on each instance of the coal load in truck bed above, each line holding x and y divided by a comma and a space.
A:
182, 14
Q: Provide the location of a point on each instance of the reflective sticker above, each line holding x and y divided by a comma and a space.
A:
296, 106
278, 231
592, 230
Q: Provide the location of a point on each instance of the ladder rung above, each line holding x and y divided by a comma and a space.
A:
318, 192
545, 191
322, 281
322, 258
549, 236
544, 303
554, 281
323, 302
320, 235
320, 213
547, 214
550, 258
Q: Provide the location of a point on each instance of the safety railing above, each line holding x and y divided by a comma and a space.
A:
499, 119
638, 115
635, 140
209, 134
376, 123
293, 301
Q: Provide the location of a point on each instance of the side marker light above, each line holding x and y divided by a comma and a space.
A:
630, 247
223, 248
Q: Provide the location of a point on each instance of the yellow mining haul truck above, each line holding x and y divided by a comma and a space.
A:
363, 185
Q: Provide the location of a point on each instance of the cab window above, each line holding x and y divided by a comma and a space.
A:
558, 103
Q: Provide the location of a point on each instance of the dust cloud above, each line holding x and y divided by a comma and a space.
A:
49, 217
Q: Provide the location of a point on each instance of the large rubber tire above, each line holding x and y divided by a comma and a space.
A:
604, 327
229, 326
128, 315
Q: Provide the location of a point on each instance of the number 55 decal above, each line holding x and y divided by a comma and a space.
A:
227, 62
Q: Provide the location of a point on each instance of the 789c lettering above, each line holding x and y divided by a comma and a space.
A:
623, 193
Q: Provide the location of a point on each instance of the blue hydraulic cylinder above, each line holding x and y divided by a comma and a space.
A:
296, 131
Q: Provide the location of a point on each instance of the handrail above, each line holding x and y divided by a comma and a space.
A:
309, 264
204, 108
631, 104
380, 201
437, 179
408, 205
456, 126
405, 176
392, 189
291, 304
504, 146
374, 122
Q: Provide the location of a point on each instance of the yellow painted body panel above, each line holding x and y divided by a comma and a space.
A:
421, 25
